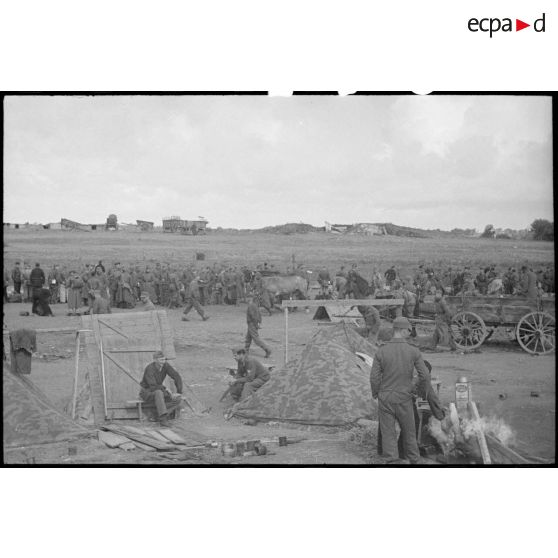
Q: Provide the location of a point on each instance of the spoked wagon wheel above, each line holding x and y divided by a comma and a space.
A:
468, 330
536, 333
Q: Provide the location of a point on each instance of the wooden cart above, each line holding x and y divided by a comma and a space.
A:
476, 317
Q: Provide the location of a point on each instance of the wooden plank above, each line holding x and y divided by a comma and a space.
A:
76, 373
172, 436
494, 445
344, 302
148, 440
144, 447
157, 436
93, 364
112, 440
472, 406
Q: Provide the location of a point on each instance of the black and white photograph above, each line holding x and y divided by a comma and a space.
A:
258, 280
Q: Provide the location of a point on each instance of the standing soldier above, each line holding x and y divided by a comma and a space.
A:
371, 323
240, 287
442, 319
26, 276
528, 286
254, 319
17, 278
37, 280
391, 380
193, 300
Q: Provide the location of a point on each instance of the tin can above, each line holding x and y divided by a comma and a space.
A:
260, 449
462, 393
282, 440
240, 448
228, 450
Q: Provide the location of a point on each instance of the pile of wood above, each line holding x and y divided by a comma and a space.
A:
462, 433
147, 439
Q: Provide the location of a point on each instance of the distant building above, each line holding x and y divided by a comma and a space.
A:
336, 228
184, 226
145, 225
68, 224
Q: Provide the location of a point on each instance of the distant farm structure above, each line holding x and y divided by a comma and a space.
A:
145, 226
175, 224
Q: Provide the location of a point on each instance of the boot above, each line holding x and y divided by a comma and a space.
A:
163, 420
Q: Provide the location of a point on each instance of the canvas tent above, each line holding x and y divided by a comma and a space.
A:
328, 386
29, 416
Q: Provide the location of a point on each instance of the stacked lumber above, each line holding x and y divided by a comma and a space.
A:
131, 437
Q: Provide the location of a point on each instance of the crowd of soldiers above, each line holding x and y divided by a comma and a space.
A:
122, 285
175, 286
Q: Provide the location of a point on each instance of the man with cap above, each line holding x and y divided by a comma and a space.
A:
37, 280
153, 390
254, 320
17, 277
193, 300
251, 375
146, 303
391, 380
442, 320
371, 323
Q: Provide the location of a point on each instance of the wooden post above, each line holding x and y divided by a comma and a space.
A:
479, 433
286, 334
103, 376
75, 390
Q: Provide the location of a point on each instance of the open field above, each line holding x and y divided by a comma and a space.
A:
503, 375
312, 249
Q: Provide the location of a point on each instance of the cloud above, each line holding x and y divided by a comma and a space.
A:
247, 162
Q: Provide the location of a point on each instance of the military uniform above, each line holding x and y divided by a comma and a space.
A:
153, 390
253, 374
442, 320
254, 319
193, 300
391, 381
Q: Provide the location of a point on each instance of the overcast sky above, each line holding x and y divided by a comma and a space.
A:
249, 162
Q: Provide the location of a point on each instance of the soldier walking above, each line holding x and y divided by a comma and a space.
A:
254, 320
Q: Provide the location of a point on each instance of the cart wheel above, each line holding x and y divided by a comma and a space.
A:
536, 333
468, 330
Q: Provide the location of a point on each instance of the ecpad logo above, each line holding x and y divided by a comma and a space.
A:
492, 25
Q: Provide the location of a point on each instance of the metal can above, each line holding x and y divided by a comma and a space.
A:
282, 440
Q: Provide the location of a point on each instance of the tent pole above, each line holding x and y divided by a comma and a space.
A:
286, 334
74, 394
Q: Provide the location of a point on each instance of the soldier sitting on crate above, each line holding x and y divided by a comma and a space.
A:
153, 390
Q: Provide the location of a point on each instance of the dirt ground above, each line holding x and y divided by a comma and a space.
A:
502, 375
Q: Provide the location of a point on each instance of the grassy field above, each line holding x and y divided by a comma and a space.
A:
312, 249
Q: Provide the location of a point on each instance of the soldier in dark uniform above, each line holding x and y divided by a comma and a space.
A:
442, 320
17, 277
254, 319
251, 375
153, 390
193, 300
391, 380
37, 280
371, 323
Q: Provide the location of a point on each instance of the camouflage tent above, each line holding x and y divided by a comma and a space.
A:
329, 385
29, 417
